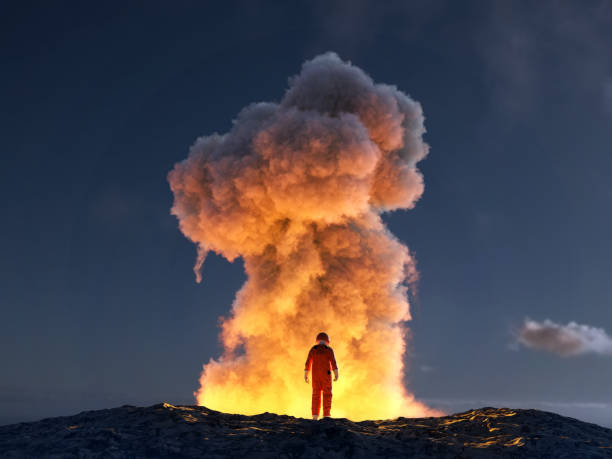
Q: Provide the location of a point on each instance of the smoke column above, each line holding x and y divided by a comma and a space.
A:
297, 190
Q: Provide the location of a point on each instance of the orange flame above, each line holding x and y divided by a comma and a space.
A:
297, 190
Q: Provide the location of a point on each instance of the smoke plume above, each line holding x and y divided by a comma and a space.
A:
297, 189
565, 340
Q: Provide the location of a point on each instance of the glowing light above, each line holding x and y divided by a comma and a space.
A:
297, 189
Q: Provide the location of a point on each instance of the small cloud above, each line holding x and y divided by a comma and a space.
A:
426, 368
564, 340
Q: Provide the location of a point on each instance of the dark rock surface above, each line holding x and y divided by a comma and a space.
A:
189, 431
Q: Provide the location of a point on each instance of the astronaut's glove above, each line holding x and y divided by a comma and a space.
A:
306, 376
336, 375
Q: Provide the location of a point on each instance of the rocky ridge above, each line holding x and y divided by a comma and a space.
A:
168, 431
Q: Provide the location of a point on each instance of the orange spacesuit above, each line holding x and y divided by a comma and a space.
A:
321, 359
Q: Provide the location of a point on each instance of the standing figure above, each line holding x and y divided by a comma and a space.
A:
322, 361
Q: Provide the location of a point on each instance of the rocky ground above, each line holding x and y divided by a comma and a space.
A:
171, 431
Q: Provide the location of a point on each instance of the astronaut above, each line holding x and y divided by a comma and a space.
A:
322, 361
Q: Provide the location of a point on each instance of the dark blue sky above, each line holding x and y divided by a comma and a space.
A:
98, 300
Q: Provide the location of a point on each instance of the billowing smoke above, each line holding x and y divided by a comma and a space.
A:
296, 189
565, 340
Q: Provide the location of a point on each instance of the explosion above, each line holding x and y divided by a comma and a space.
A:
297, 190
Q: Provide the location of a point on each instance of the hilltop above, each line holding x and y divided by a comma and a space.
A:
170, 431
